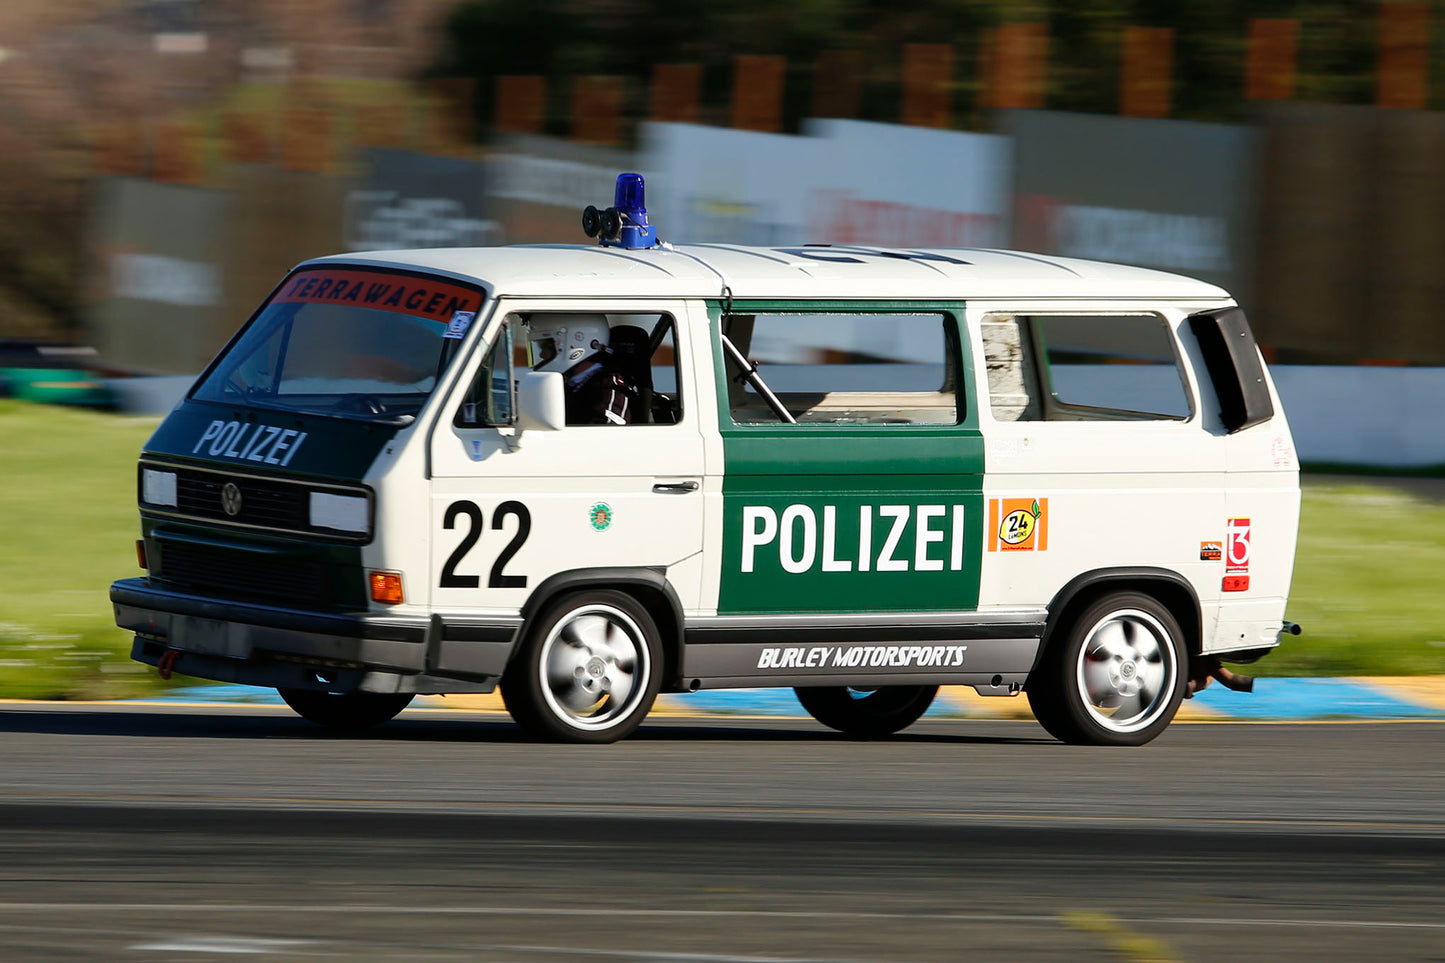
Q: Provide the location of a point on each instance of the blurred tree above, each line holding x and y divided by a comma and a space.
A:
563, 38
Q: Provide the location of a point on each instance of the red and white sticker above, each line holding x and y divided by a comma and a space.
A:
1236, 545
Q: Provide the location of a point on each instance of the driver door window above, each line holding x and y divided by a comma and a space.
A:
618, 369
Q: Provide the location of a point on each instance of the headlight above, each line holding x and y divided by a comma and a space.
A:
158, 488
341, 513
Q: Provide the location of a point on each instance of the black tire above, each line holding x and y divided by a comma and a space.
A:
345, 710
1114, 676
867, 713
588, 669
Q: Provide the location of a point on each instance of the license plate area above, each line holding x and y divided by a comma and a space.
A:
209, 637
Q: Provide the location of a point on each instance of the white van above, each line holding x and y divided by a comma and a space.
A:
587, 474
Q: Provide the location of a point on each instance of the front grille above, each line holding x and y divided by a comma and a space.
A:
240, 574
267, 503
272, 504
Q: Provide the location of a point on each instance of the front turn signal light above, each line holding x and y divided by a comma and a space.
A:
386, 588
140, 554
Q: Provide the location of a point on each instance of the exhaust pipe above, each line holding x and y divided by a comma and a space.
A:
1236, 681
1202, 671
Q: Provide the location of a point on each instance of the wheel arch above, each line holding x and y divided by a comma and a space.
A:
648, 586
1167, 587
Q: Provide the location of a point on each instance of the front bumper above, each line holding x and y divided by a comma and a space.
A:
257, 644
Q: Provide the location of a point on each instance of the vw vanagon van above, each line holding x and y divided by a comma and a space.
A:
859, 472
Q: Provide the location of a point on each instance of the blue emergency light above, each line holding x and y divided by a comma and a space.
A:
624, 224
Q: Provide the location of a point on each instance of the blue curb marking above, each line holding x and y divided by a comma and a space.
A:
1311, 699
1271, 699
769, 702
740, 702
246, 694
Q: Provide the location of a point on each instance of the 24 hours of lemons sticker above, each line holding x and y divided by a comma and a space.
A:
1018, 524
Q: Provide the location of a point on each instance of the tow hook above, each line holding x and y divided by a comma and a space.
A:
167, 663
1203, 670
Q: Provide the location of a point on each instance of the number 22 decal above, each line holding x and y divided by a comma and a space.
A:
498, 578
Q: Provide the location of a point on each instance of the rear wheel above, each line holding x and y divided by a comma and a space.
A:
588, 670
867, 713
345, 710
1115, 677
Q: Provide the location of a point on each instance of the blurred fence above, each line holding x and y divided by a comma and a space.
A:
1326, 222
1352, 234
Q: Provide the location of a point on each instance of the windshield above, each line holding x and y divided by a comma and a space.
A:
359, 344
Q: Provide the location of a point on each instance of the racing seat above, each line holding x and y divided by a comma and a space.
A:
631, 357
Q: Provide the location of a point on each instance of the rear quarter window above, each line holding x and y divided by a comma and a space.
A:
1084, 368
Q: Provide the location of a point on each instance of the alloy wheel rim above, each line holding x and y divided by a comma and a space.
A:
1126, 670
594, 667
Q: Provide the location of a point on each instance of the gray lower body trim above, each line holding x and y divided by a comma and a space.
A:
471, 648
962, 661
267, 646
872, 627
283, 672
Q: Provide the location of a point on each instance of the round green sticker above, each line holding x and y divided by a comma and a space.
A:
600, 516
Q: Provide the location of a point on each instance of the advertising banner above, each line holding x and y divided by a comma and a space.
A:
1168, 194
910, 186
280, 219
538, 186
157, 298
844, 182
412, 200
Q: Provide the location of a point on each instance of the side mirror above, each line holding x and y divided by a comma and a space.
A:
541, 400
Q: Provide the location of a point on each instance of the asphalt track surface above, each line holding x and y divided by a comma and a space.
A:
206, 833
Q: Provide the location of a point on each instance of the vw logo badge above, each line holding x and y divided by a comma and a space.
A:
231, 498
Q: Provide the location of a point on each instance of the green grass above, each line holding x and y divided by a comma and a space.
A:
1369, 583
67, 500
1367, 588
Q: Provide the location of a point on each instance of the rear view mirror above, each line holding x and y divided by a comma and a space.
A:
541, 400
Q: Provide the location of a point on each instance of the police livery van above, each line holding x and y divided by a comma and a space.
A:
588, 474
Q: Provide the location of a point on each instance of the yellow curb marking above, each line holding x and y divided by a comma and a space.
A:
1424, 690
1126, 942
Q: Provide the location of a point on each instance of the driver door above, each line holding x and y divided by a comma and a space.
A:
511, 508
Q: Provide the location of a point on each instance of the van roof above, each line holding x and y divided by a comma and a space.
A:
811, 272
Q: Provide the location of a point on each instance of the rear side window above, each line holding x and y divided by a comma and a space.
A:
842, 369
1084, 368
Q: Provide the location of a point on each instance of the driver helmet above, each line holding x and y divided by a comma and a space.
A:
558, 341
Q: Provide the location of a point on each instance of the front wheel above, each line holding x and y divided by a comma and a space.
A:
345, 710
1115, 676
588, 669
867, 713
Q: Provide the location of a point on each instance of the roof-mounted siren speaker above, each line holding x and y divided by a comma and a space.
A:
624, 224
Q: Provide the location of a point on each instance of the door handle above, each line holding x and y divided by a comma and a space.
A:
674, 488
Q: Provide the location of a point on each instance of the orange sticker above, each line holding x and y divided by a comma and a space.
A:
421, 297
1018, 524
1211, 551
